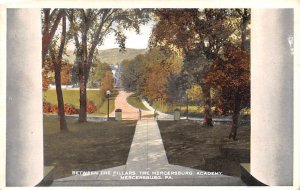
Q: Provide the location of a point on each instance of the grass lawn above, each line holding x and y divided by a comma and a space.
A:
72, 97
168, 108
87, 146
188, 144
193, 110
135, 101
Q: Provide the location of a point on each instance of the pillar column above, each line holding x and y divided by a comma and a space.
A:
272, 96
24, 128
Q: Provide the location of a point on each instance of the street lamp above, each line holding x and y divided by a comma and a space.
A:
187, 106
108, 94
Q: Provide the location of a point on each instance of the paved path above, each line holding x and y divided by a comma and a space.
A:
128, 111
147, 161
147, 150
161, 115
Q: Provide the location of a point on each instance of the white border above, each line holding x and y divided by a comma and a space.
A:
154, 4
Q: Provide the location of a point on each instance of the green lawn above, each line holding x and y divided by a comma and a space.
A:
87, 146
72, 97
136, 102
194, 110
168, 108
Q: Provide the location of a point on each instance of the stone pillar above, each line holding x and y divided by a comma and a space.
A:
176, 114
24, 117
272, 96
118, 115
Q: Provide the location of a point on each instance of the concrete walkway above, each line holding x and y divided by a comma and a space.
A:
147, 151
147, 164
161, 115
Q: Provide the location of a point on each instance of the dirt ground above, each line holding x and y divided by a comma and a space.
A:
87, 146
188, 144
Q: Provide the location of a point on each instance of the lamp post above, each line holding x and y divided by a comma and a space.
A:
108, 94
187, 106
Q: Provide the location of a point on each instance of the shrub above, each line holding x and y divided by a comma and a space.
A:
70, 109
49, 108
91, 107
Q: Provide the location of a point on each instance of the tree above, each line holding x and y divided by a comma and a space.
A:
232, 74
65, 73
50, 22
141, 73
56, 56
155, 89
160, 65
45, 75
133, 74
107, 83
92, 25
195, 93
235, 95
242, 93
175, 88
99, 73
194, 33
49, 30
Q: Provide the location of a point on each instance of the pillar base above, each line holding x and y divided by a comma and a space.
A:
247, 177
48, 177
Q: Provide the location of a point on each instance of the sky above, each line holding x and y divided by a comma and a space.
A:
133, 40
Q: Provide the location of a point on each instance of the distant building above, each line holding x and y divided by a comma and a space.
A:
116, 70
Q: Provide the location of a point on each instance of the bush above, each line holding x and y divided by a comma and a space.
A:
70, 109
50, 108
91, 107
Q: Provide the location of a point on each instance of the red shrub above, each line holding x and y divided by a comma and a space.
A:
54, 109
49, 108
91, 107
70, 109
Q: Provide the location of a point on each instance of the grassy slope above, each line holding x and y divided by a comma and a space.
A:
87, 146
136, 102
113, 56
72, 97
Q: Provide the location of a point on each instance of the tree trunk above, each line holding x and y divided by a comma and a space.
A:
83, 73
237, 96
207, 106
245, 19
83, 99
57, 71
60, 99
48, 35
235, 116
